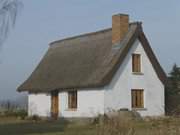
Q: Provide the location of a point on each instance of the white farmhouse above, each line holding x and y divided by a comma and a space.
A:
90, 74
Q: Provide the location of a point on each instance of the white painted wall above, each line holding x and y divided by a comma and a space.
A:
39, 104
90, 103
114, 96
118, 92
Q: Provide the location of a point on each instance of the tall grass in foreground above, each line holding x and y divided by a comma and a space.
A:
116, 126
125, 125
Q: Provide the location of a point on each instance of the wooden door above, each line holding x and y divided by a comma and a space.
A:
54, 105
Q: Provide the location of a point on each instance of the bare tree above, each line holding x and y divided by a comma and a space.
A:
8, 13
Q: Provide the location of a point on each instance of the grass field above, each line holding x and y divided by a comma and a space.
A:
13, 126
161, 126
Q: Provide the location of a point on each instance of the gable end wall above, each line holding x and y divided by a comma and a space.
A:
118, 92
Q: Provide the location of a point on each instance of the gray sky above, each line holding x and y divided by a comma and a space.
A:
41, 22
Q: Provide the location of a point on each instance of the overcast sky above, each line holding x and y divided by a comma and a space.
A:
41, 22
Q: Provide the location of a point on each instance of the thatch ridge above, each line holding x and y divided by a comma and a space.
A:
80, 36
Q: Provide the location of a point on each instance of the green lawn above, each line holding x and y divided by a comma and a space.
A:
12, 126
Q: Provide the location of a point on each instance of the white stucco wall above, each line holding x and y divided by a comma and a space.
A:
118, 92
39, 104
90, 103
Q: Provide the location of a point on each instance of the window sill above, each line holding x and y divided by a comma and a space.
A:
139, 109
137, 73
71, 109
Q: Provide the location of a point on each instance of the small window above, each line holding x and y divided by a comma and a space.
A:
72, 99
137, 98
136, 63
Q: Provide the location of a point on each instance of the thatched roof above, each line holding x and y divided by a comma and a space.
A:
85, 61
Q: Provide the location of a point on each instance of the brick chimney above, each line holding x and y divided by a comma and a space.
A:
120, 25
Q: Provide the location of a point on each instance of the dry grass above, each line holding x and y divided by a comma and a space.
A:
148, 126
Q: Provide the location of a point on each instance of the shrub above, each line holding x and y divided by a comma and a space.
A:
34, 118
21, 113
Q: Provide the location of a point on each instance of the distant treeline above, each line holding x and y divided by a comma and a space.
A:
20, 103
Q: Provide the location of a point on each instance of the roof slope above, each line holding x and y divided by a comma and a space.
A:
85, 61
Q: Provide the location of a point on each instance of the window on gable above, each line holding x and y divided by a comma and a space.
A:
72, 99
137, 96
136, 63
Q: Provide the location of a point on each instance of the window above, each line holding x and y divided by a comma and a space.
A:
136, 63
72, 99
137, 98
